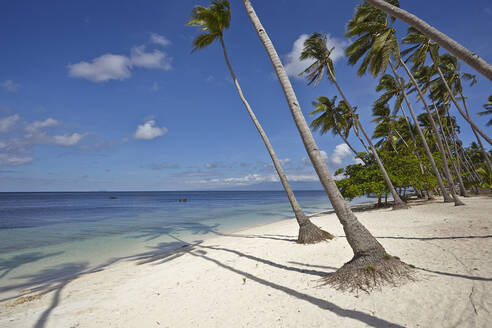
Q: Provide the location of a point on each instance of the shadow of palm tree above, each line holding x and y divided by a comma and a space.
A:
7, 265
369, 320
457, 275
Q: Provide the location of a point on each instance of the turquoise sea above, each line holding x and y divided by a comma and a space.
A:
49, 236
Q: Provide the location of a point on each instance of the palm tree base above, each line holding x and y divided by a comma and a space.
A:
309, 233
369, 272
400, 206
459, 203
450, 200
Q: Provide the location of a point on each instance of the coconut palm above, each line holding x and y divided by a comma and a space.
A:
367, 250
377, 41
336, 119
315, 48
453, 82
488, 110
440, 38
385, 128
212, 22
423, 46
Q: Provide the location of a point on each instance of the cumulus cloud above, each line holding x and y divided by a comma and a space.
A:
159, 39
341, 152
10, 86
148, 131
38, 125
7, 123
210, 165
154, 59
104, 68
68, 140
294, 66
335, 160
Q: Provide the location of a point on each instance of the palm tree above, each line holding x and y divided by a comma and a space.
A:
453, 82
377, 42
367, 250
212, 21
488, 110
385, 128
315, 48
336, 119
421, 47
440, 38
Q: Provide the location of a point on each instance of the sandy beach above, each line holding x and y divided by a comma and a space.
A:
260, 277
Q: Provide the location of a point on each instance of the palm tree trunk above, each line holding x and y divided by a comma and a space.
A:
365, 247
467, 118
308, 232
440, 38
457, 201
447, 198
398, 203
480, 144
456, 168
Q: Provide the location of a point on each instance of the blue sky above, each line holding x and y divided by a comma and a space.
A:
105, 95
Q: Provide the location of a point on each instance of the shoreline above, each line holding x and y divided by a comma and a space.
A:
191, 280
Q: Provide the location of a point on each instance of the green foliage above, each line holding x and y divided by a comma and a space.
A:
488, 110
315, 48
402, 167
376, 39
212, 21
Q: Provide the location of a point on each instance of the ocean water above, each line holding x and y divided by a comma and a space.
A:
49, 236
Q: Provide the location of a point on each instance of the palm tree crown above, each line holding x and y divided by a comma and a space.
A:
315, 48
377, 40
212, 21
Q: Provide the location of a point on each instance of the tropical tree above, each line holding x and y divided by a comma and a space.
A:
440, 38
212, 22
423, 46
488, 110
377, 42
368, 252
336, 119
315, 48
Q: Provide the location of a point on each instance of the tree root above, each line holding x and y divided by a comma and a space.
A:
370, 272
309, 233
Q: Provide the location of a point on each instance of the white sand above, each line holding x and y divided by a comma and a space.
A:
260, 278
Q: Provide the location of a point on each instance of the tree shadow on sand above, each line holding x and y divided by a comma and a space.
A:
199, 250
368, 319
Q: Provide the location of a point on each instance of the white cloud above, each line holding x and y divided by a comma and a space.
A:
37, 125
104, 68
210, 165
8, 123
68, 140
294, 66
341, 152
154, 59
14, 160
159, 39
335, 160
10, 86
285, 161
358, 161
148, 131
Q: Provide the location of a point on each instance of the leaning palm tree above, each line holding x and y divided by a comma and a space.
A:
488, 110
315, 48
376, 43
440, 38
212, 22
421, 46
336, 119
368, 252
